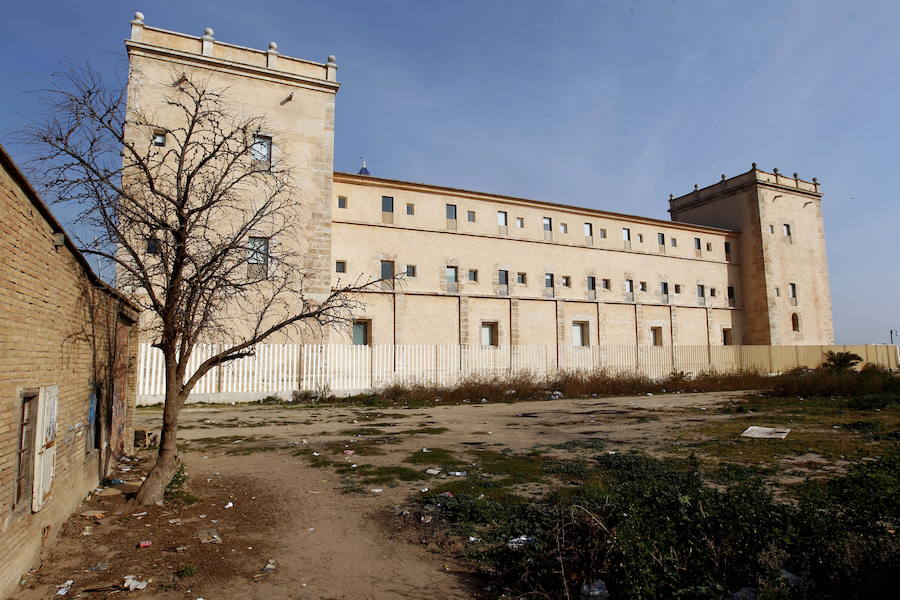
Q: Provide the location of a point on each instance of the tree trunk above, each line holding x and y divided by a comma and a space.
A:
167, 461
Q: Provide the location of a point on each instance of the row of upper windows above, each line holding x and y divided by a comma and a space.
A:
260, 149
452, 217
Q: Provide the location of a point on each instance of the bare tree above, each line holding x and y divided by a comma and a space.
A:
199, 227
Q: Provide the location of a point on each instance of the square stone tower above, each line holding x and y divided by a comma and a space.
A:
295, 97
784, 269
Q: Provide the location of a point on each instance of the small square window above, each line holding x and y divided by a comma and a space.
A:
709, 246
602, 234
340, 266
566, 281
673, 242
520, 222
362, 333
677, 288
152, 245
387, 204
606, 284
771, 228
387, 269
643, 285
563, 228
697, 244
410, 208
159, 138
470, 216
640, 238
787, 230
581, 334
489, 334
342, 201
410, 270
712, 292
261, 150
521, 278
473, 275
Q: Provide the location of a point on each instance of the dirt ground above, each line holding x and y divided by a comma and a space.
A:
335, 530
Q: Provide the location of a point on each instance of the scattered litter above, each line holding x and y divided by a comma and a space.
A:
145, 544
88, 530
353, 466
110, 491
472, 538
116, 481
433, 471
311, 529
376, 490
446, 494
349, 452
484, 400
304, 441
131, 583
208, 536
202, 516
456, 473
229, 505
423, 490
174, 521
99, 567
140, 514
425, 450
519, 542
271, 565
765, 432
94, 514
63, 588
427, 518
315, 453
595, 589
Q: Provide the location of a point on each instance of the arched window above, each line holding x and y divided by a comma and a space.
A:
795, 322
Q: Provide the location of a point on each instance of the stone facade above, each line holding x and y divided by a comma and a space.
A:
707, 277
61, 330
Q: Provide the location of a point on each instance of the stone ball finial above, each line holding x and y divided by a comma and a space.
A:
723, 176
815, 180
696, 187
208, 32
671, 196
331, 59
753, 165
139, 16
273, 46
796, 176
775, 170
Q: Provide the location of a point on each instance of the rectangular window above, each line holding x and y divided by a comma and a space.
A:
661, 239
673, 242
25, 451
257, 257
588, 230
581, 334
387, 204
489, 334
362, 333
549, 280
342, 201
731, 295
159, 138
792, 293
787, 230
709, 246
452, 274
701, 294
629, 286
677, 288
410, 208
607, 284
502, 218
340, 266
727, 336
473, 275
520, 222
410, 270
451, 212
563, 228
664, 288
643, 285
656, 334
521, 278
640, 238
602, 234
261, 150
712, 292
566, 281
697, 244
152, 245
548, 224
387, 269
470, 216
727, 250
503, 277
626, 234
591, 283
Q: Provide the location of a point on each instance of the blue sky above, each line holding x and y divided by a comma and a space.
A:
605, 104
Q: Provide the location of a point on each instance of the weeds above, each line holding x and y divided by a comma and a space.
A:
175, 489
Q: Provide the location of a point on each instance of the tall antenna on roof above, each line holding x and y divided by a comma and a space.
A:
363, 170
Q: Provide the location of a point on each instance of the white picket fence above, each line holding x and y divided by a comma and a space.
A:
280, 369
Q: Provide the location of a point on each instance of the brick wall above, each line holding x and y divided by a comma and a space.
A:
54, 330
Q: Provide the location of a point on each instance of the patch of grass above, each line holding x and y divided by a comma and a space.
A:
438, 457
390, 475
362, 431
426, 431
176, 491
186, 571
581, 444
